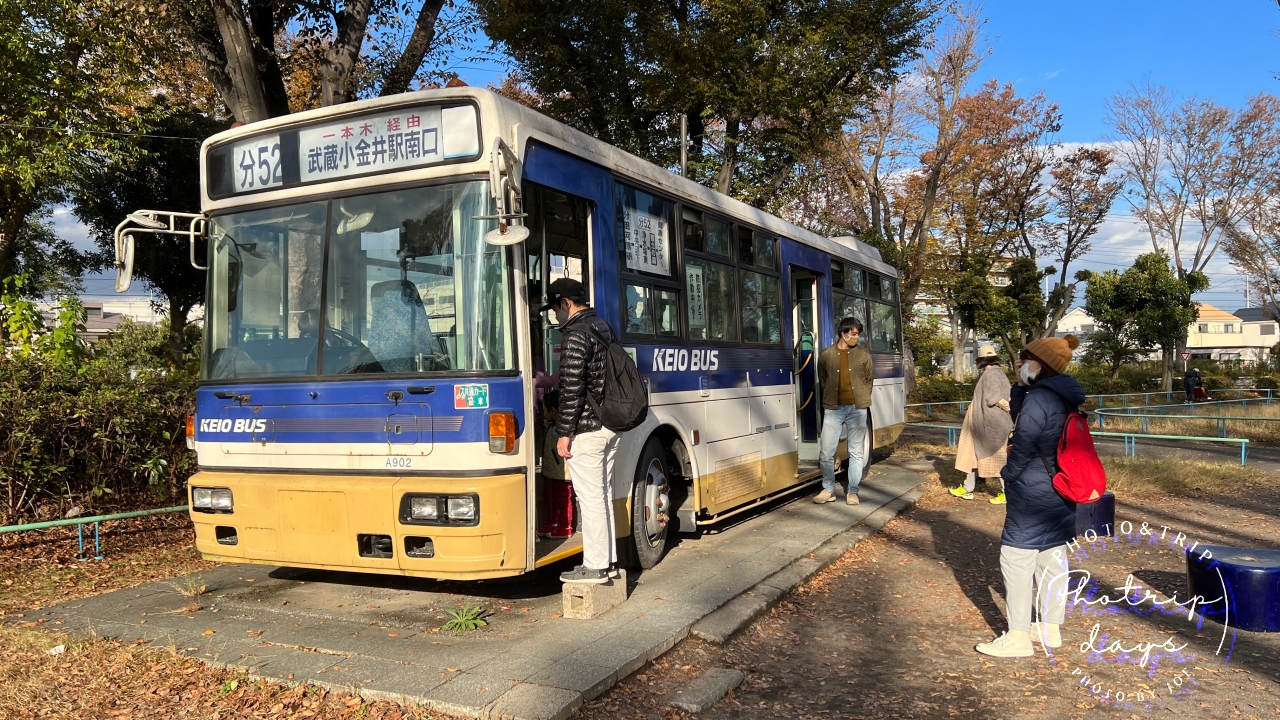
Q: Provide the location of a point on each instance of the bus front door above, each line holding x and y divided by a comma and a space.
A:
805, 347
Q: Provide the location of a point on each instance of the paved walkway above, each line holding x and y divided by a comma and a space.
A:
379, 635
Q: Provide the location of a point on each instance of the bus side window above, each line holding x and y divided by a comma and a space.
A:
712, 310
639, 317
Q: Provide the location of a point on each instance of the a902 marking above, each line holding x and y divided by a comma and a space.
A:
399, 462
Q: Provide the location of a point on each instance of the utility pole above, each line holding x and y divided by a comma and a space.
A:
684, 145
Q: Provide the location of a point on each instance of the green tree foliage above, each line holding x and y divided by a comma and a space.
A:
165, 175
1147, 305
68, 67
1112, 343
763, 84
1014, 313
24, 327
930, 344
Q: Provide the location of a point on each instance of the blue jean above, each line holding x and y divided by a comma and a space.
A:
846, 421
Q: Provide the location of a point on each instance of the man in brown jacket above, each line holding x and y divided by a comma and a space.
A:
845, 376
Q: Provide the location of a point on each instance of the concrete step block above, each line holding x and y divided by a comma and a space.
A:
583, 601
705, 690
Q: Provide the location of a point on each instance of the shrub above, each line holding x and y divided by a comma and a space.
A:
1216, 383
1266, 382
103, 433
941, 389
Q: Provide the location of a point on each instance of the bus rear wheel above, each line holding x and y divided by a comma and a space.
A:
650, 508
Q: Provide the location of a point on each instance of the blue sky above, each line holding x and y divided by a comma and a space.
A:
1082, 52
1079, 54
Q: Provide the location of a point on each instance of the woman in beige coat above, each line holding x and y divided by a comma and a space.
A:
986, 428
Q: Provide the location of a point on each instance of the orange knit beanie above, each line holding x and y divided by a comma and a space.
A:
1054, 352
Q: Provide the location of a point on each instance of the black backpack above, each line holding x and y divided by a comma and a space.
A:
626, 399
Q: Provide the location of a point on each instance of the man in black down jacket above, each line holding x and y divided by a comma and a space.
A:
585, 443
1038, 521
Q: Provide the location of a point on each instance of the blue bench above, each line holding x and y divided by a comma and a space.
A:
1252, 581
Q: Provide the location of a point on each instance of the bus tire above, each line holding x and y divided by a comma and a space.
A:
650, 507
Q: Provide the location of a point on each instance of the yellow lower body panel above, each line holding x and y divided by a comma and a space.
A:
887, 435
314, 521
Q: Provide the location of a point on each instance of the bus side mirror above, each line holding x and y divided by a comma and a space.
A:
124, 262
507, 235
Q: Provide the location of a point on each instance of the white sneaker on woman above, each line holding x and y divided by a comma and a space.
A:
1015, 643
1047, 634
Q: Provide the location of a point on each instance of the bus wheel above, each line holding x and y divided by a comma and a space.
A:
650, 506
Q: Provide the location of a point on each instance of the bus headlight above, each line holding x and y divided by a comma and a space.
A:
212, 500
462, 508
433, 509
424, 508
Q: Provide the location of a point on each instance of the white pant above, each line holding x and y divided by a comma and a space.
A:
591, 470
1026, 570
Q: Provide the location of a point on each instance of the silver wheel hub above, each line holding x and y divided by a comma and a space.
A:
657, 501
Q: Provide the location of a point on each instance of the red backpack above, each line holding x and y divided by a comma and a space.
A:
1080, 477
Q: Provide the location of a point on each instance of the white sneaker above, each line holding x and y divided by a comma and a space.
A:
1011, 644
1047, 634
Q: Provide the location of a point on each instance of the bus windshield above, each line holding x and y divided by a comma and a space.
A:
406, 284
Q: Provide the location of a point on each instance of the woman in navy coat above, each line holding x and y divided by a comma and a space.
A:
1038, 521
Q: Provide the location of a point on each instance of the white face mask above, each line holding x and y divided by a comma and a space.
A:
1025, 373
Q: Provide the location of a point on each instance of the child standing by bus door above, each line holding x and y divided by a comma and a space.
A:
557, 489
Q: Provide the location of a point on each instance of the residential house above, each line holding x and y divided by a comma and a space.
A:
1261, 331
98, 322
1219, 335
1077, 322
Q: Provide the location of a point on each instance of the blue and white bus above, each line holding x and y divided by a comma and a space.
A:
367, 397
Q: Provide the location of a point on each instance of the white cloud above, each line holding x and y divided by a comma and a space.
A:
1122, 238
67, 226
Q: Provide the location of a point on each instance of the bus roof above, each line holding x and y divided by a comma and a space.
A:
500, 116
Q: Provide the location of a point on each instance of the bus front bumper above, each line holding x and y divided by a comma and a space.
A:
354, 523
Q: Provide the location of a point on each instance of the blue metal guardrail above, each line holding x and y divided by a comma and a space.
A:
1181, 412
1124, 399
1130, 439
96, 520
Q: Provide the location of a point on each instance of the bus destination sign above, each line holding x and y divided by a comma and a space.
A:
355, 145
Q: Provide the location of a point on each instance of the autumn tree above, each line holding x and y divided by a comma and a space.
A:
762, 85
1080, 195
989, 205
1193, 168
1253, 243
246, 47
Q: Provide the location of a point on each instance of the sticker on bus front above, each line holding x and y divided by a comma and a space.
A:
471, 397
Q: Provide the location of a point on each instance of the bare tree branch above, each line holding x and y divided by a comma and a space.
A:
424, 33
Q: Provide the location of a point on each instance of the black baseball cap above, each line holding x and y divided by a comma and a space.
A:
563, 288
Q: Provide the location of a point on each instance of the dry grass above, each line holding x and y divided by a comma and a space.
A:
40, 568
107, 679
1261, 432
1139, 477
1132, 477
